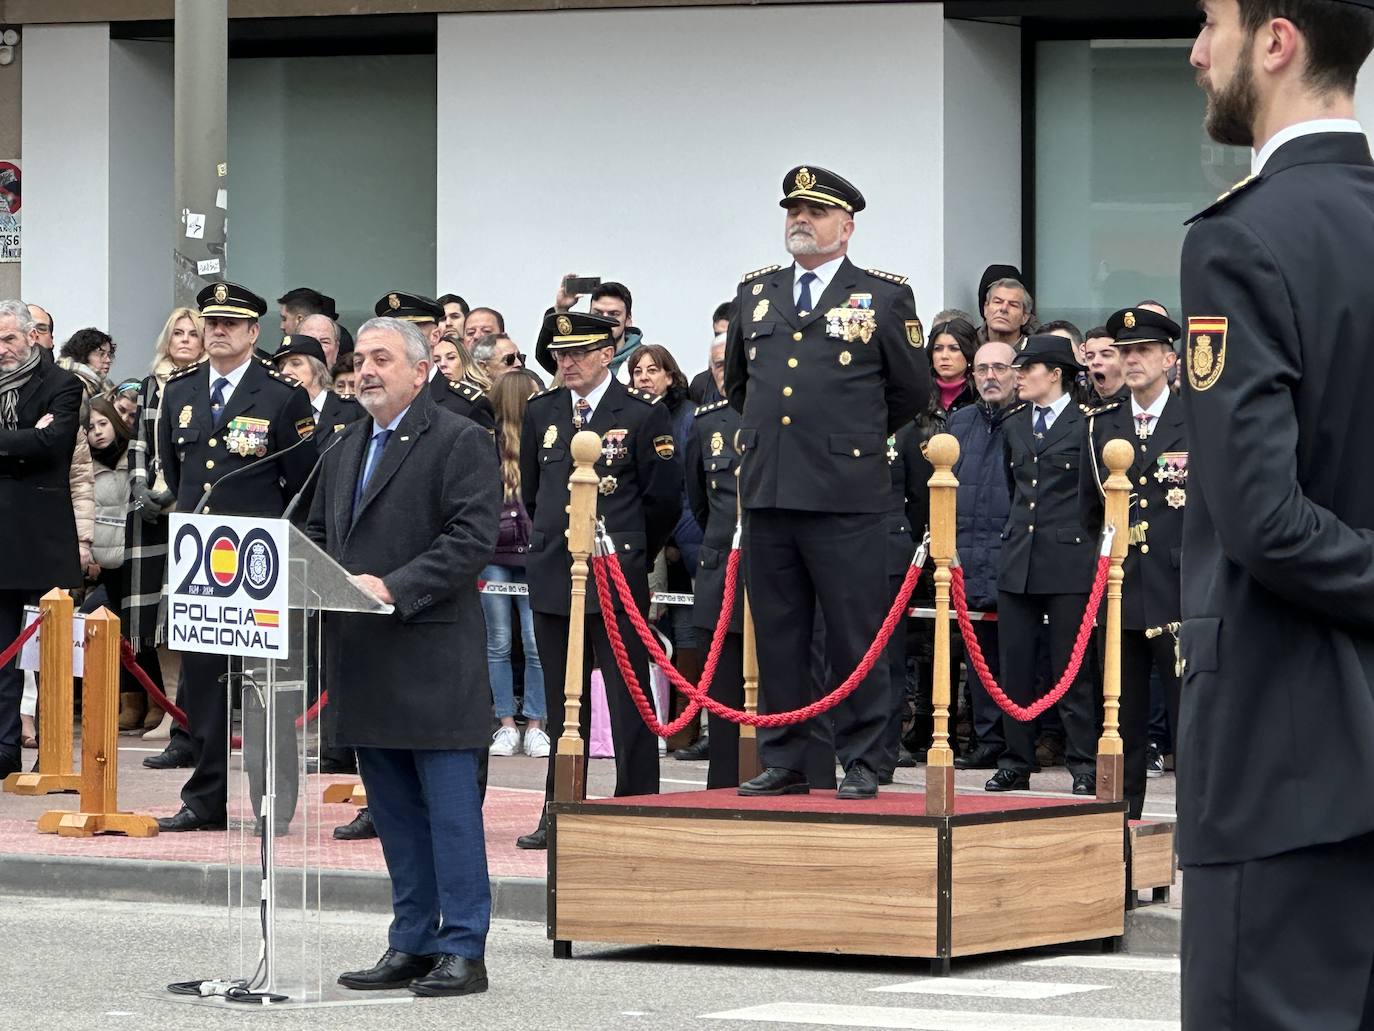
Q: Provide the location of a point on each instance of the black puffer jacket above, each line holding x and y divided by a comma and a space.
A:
983, 503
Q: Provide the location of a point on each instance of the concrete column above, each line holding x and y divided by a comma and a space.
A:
200, 170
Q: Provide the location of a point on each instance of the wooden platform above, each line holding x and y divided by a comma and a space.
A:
1153, 859
808, 873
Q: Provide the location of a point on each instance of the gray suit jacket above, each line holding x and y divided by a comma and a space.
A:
427, 526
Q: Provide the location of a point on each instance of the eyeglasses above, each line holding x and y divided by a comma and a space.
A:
996, 369
574, 354
509, 360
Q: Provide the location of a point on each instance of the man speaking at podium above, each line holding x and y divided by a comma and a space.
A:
233, 439
409, 503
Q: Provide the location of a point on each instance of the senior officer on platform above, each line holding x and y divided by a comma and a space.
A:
408, 503
225, 419
824, 361
1276, 746
461, 397
640, 498
1151, 420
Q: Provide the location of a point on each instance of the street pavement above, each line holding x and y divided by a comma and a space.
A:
91, 966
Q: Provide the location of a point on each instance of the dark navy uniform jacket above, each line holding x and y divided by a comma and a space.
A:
712, 493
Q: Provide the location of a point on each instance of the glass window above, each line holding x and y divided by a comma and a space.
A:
1121, 161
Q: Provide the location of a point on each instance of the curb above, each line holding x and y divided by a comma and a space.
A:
1153, 931
206, 884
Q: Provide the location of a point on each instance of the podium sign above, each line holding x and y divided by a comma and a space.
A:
227, 586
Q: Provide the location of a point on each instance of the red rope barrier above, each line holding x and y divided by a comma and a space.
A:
1080, 646
773, 719
7, 656
129, 660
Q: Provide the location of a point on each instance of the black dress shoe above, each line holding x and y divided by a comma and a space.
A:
905, 759
696, 751
186, 820
1085, 784
169, 759
1006, 780
453, 975
884, 777
360, 829
859, 782
10, 764
535, 839
393, 970
776, 781
984, 757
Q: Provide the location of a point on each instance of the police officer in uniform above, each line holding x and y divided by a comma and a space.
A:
332, 413
824, 361
462, 397
1047, 560
1275, 753
713, 493
235, 440
640, 499
1151, 419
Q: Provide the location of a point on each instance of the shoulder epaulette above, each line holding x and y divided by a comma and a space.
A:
542, 393
1016, 408
1106, 406
1240, 187
767, 270
192, 368
710, 408
466, 389
272, 371
891, 277
643, 395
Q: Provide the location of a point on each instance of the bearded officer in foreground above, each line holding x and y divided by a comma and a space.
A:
824, 361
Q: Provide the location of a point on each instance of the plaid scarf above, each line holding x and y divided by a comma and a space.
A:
10, 385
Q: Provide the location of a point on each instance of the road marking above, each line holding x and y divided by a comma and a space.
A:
1138, 964
931, 1020
990, 988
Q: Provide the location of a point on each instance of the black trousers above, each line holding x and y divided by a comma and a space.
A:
987, 717
11, 677
796, 561
727, 688
636, 749
1140, 655
203, 696
1281, 943
1020, 618
895, 657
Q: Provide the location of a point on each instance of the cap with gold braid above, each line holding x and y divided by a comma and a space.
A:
223, 300
821, 186
562, 330
1142, 326
409, 307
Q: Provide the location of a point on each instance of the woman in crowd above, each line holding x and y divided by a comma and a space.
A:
125, 398
448, 358
952, 346
178, 345
89, 353
508, 399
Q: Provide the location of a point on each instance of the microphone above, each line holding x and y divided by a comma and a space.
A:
264, 460
314, 469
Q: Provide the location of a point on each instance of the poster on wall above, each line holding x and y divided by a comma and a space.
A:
9, 210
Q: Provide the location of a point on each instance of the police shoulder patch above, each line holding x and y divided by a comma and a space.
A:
891, 277
305, 428
665, 447
1206, 351
766, 270
709, 408
1216, 205
643, 395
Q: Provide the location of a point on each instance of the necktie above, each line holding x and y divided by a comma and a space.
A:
1142, 425
1041, 426
374, 456
582, 414
217, 400
804, 297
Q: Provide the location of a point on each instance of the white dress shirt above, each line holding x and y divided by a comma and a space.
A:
233, 376
1293, 132
1056, 408
823, 273
1154, 411
593, 398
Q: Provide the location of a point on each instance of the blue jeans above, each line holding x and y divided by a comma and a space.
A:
496, 608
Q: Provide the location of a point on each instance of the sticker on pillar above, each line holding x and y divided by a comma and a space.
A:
10, 200
195, 226
209, 267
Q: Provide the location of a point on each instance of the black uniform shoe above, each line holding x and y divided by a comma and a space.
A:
905, 759
360, 829
859, 782
186, 820
776, 781
1085, 784
453, 975
393, 970
537, 838
1006, 780
984, 757
10, 764
884, 777
696, 751
169, 758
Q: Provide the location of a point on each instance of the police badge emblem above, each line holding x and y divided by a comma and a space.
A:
551, 436
805, 179
564, 326
1129, 320
184, 419
760, 310
717, 444
393, 301
1206, 350
607, 485
221, 293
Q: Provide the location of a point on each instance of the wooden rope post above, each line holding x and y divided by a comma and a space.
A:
99, 744
1118, 454
55, 711
750, 766
570, 764
943, 452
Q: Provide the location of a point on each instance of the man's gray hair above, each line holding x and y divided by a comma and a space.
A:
485, 346
23, 318
1013, 284
416, 346
331, 326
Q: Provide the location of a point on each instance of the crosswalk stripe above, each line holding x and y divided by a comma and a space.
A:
990, 988
1137, 964
912, 1019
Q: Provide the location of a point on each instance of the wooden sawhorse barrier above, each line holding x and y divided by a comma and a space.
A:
55, 772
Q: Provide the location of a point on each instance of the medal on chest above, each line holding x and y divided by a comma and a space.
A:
246, 437
717, 444
1172, 469
854, 322
613, 447
551, 436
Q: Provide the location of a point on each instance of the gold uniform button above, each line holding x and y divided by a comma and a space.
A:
1144, 549
1142, 481
856, 452
207, 487
791, 363
786, 391
787, 420
214, 442
1032, 504
209, 463
1031, 528
796, 336
1035, 483
713, 485
1144, 503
